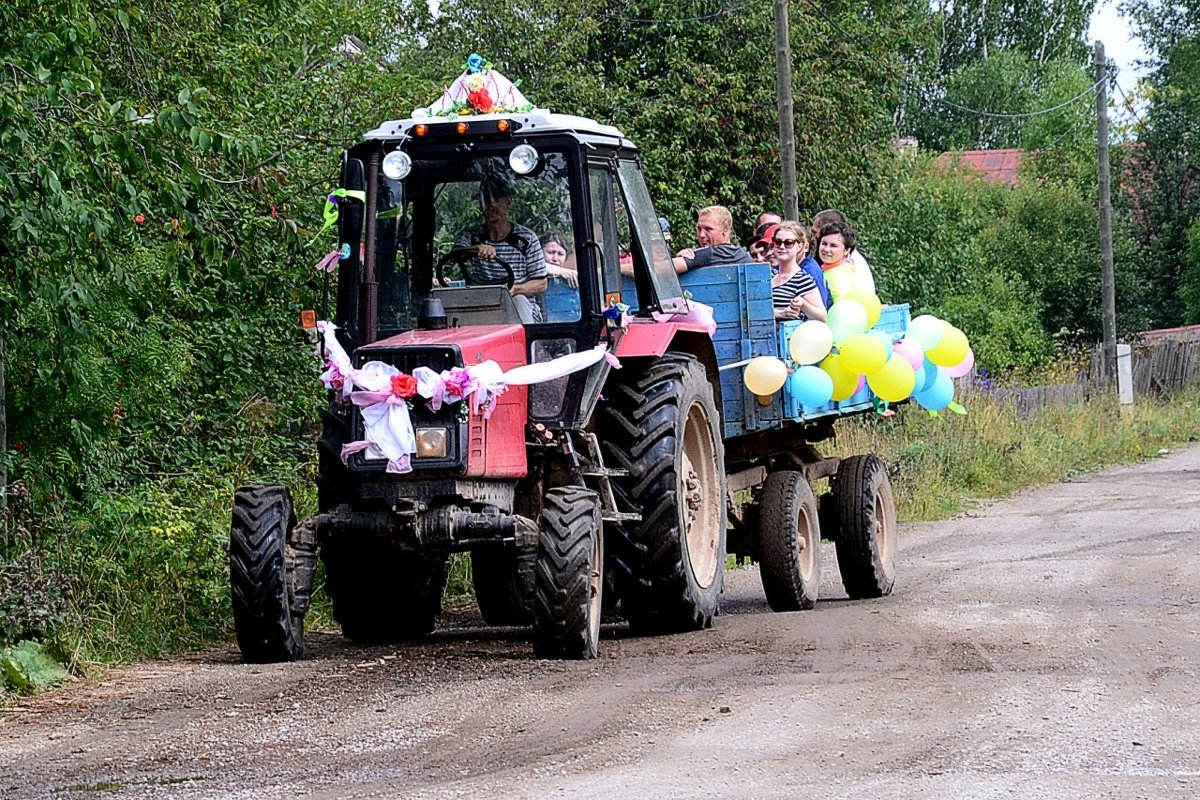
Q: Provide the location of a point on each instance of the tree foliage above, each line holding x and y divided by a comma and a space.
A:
1164, 166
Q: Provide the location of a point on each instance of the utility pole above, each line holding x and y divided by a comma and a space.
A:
1108, 302
783, 91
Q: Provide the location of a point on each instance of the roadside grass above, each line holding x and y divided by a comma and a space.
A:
939, 465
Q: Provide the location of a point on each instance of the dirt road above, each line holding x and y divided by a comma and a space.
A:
1047, 646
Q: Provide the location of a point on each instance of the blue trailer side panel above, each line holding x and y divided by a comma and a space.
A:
740, 296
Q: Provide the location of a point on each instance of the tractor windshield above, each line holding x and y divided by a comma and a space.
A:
464, 219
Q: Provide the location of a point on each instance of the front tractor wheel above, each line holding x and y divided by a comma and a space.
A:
663, 428
866, 542
266, 614
569, 575
789, 538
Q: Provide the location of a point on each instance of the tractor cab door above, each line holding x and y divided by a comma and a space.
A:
654, 274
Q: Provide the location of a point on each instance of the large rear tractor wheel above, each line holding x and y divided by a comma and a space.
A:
267, 616
663, 428
866, 541
503, 582
569, 578
382, 594
789, 542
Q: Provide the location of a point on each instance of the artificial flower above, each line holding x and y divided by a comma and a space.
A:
480, 100
475, 82
475, 63
404, 386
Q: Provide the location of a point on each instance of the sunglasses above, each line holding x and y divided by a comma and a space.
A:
785, 243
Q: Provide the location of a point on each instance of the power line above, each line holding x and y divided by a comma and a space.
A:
996, 115
1130, 106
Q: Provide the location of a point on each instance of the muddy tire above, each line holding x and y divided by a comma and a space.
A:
503, 582
266, 616
789, 536
569, 582
662, 426
382, 594
866, 542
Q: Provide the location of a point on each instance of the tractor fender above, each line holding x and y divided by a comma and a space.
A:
652, 340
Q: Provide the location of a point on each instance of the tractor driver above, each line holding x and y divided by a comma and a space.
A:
500, 238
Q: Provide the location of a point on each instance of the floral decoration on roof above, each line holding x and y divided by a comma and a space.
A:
480, 89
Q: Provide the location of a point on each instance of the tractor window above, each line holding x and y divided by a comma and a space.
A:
604, 219
431, 226
649, 246
526, 220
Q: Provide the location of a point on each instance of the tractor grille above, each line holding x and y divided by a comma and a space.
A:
406, 359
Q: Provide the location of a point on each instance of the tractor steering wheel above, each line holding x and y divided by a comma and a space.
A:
462, 256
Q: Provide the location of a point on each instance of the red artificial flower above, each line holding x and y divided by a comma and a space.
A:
480, 100
404, 386
139, 219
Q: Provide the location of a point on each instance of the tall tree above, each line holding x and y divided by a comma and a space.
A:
1164, 164
999, 58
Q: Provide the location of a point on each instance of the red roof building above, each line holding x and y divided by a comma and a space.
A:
998, 166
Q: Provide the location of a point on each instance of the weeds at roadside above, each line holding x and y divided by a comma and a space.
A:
938, 465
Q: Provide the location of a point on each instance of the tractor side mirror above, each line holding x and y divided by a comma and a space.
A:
353, 178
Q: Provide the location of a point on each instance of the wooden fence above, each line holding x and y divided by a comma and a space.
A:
1162, 364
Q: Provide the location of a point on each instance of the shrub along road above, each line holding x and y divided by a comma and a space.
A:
1044, 646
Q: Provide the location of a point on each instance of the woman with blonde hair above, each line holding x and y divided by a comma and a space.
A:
794, 293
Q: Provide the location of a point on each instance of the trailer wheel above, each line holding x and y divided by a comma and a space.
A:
503, 582
569, 578
789, 535
866, 542
266, 616
662, 427
382, 594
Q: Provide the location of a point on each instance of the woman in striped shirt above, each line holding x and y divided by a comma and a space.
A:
794, 293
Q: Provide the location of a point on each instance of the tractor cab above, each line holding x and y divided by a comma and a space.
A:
454, 214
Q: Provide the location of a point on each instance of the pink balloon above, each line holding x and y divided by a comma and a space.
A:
912, 351
963, 367
862, 381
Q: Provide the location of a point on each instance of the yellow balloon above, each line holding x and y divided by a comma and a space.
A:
951, 350
845, 382
863, 354
765, 375
895, 381
870, 301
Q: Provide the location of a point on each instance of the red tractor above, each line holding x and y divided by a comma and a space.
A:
573, 484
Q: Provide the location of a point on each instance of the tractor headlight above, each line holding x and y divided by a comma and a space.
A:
523, 159
432, 442
397, 164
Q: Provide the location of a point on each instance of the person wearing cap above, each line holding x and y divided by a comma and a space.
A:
501, 238
714, 225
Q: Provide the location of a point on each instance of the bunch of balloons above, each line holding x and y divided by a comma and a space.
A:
835, 358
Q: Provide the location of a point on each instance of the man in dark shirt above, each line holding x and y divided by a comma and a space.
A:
714, 226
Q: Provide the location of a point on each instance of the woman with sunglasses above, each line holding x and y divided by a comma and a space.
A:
794, 293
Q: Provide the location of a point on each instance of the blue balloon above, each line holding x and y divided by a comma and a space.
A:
931, 372
939, 395
811, 386
919, 386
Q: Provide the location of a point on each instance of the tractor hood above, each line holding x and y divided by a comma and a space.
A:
504, 344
